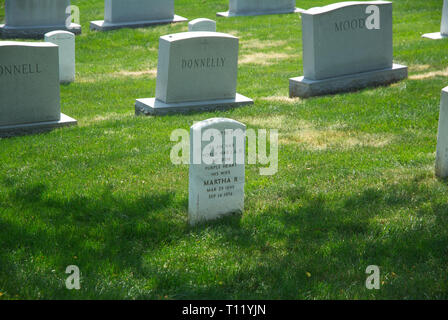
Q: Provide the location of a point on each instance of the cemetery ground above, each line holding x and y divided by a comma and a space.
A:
355, 185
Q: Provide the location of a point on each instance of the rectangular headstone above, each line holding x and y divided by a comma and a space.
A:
259, 7
444, 25
34, 18
217, 173
350, 39
337, 42
66, 42
136, 13
442, 138
195, 70
29, 87
199, 66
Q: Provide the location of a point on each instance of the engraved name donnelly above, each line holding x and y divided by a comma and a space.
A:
199, 63
19, 69
347, 25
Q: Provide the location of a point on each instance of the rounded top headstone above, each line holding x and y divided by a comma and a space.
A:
59, 34
202, 24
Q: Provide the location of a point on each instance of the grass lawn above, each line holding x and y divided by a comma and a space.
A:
355, 185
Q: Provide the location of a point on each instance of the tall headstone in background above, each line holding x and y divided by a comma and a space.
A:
442, 138
202, 24
444, 26
29, 88
135, 14
34, 18
196, 71
259, 7
66, 43
347, 46
217, 173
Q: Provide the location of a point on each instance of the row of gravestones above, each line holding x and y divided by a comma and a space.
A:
33, 18
198, 71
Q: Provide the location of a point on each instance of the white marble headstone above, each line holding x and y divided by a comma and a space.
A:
137, 10
336, 40
444, 26
29, 82
34, 18
259, 7
197, 71
29, 87
216, 178
346, 46
442, 137
195, 66
202, 24
135, 14
66, 43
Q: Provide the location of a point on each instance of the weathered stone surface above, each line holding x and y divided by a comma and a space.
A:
444, 25
346, 46
65, 40
34, 18
29, 87
196, 71
442, 138
259, 7
202, 24
216, 186
136, 13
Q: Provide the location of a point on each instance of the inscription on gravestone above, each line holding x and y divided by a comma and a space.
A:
196, 71
346, 46
29, 87
217, 169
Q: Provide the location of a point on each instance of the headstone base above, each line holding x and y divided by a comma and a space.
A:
34, 32
29, 128
227, 14
101, 25
434, 36
305, 88
152, 106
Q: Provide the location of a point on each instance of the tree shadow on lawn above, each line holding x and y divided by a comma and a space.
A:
315, 248
321, 249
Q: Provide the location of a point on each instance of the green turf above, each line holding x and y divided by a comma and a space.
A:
355, 185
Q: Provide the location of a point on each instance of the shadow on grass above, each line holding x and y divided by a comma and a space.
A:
309, 247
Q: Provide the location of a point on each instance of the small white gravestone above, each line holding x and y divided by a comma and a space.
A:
259, 7
442, 138
66, 43
202, 24
444, 26
34, 18
135, 14
217, 169
196, 71
347, 46
29, 88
